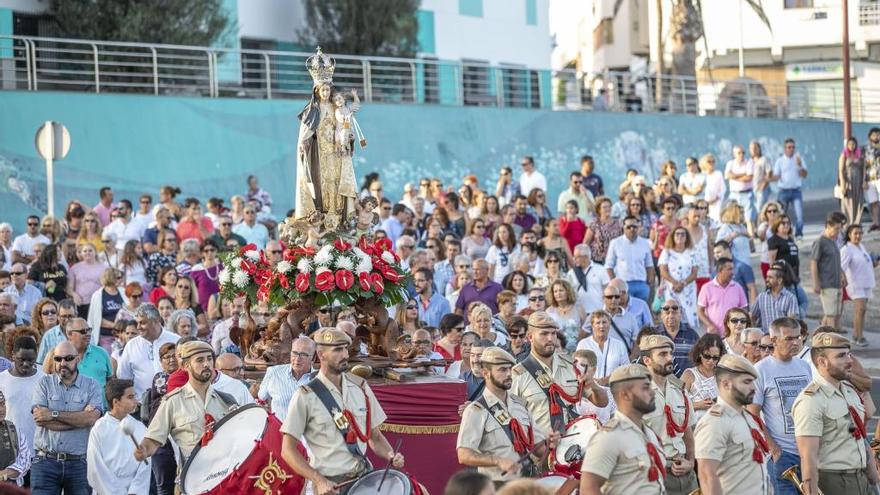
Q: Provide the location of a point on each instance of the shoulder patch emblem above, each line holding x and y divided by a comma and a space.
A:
811, 389
518, 370
715, 410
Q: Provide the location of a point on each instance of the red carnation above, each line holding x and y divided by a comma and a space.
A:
325, 281
377, 283
390, 274
341, 245
364, 279
344, 279
302, 283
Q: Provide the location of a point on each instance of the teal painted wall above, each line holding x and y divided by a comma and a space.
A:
6, 28
208, 146
473, 8
426, 38
532, 12
229, 64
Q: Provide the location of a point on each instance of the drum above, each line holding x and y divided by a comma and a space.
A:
559, 485
396, 483
571, 449
242, 458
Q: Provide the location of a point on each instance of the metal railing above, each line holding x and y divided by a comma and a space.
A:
38, 64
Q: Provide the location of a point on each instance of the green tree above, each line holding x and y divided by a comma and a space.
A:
178, 22
356, 27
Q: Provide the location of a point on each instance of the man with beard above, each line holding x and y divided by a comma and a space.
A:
624, 457
188, 411
829, 425
497, 429
871, 152
547, 380
326, 413
673, 420
65, 406
729, 443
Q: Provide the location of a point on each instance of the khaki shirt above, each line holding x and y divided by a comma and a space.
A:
672, 394
181, 414
308, 418
725, 435
481, 432
618, 452
527, 388
822, 410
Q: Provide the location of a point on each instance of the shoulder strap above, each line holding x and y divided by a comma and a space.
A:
478, 392
13, 437
622, 338
335, 411
534, 368
227, 399
498, 413
581, 276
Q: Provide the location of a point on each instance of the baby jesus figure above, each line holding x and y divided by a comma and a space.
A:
345, 122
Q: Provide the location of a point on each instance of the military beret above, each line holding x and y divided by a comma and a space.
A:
829, 340
737, 364
540, 319
629, 372
652, 342
497, 355
193, 347
331, 336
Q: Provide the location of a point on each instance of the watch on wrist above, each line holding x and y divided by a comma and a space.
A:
54, 414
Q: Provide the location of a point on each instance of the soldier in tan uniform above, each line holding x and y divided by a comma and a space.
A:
338, 416
497, 429
625, 457
673, 419
547, 380
730, 447
829, 424
184, 413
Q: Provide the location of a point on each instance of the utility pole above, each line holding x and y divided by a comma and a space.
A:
847, 111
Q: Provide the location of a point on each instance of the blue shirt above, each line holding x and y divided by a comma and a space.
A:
257, 235
629, 260
443, 273
437, 307
684, 340
393, 229
639, 310
56, 396
50, 339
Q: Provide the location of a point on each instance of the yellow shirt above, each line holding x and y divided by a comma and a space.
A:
725, 435
526, 387
672, 394
482, 433
308, 418
822, 410
181, 414
618, 452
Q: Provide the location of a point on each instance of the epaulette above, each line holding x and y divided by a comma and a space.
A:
850, 385
173, 393
565, 358
476, 404
715, 410
812, 388
519, 400
305, 389
676, 382
611, 424
355, 379
518, 369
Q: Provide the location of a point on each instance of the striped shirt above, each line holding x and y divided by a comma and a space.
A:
767, 308
279, 384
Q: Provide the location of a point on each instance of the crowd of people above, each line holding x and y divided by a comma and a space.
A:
112, 319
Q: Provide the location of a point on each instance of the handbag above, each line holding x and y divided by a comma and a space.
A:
838, 191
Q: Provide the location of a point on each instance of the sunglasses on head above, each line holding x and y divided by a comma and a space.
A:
67, 359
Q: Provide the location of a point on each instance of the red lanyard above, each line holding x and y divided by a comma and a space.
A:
671, 427
656, 470
761, 447
354, 431
522, 443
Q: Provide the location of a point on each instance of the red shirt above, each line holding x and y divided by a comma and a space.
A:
187, 229
572, 230
176, 380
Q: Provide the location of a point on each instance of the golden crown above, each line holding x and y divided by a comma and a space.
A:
321, 67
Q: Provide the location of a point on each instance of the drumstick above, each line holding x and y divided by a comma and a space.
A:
128, 430
344, 483
535, 448
396, 450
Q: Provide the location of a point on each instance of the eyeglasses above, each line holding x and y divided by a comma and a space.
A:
766, 347
136, 294
754, 342
226, 224
411, 306
710, 357
86, 331
323, 311
551, 261
612, 296
33, 224
739, 321
421, 342
237, 369
48, 312
67, 359
702, 207
517, 335
772, 210
168, 356
536, 298
386, 208
631, 227
670, 309
17, 273
301, 355
791, 339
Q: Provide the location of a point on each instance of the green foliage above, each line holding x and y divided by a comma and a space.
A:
178, 22
358, 27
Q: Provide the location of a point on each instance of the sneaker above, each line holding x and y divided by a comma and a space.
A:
861, 342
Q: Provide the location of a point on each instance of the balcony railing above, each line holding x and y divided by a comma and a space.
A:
43, 64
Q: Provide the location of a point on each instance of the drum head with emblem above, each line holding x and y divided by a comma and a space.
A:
571, 449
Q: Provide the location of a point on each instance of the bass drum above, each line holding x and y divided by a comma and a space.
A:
560, 485
242, 458
571, 450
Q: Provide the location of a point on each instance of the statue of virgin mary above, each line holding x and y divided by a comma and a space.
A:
325, 180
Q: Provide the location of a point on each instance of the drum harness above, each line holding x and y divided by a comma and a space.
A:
555, 395
521, 443
343, 424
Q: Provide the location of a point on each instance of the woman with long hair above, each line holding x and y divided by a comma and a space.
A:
476, 244
482, 322
699, 381
571, 226
49, 273
552, 270
73, 217
537, 201
407, 317
44, 315
132, 263
236, 210
433, 227
692, 182
491, 214
602, 230
668, 171
736, 321
435, 246
734, 230
186, 296
166, 199
369, 180
206, 273
851, 178
51, 227
636, 208
562, 307
182, 322
501, 251
167, 284
92, 232
164, 257
678, 271
84, 278
664, 225
165, 307
701, 240
650, 206
103, 308
553, 242
858, 266
782, 246
518, 283
769, 211
456, 220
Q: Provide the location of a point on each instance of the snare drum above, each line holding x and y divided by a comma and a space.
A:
396, 483
571, 449
242, 458
559, 485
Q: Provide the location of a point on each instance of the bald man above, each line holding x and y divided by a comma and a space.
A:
229, 378
633, 305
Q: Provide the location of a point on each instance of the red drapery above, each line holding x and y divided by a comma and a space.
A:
424, 415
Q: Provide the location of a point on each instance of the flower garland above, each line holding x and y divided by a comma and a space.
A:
340, 271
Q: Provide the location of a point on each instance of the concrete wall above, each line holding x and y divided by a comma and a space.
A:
208, 146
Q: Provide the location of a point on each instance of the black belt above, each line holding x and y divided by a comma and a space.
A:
740, 192
842, 471
59, 456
